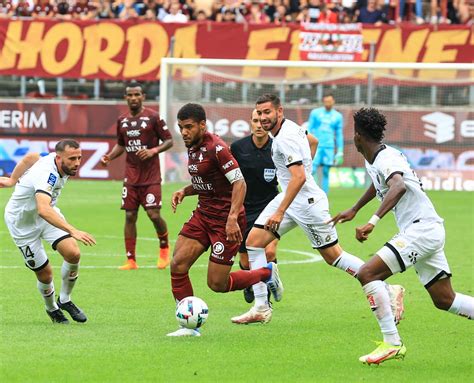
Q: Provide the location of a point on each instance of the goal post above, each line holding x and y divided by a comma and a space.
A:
428, 106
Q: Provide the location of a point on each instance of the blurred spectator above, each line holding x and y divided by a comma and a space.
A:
406, 11
62, 10
153, 10
84, 10
281, 15
201, 15
23, 8
328, 16
439, 11
43, 9
233, 6
314, 11
175, 15
370, 14
256, 16
128, 10
104, 9
6, 9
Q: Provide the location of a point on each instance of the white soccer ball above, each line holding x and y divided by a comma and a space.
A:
191, 312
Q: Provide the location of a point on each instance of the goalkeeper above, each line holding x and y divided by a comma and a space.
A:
326, 124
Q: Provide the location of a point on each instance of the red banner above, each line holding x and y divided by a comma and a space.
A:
133, 50
331, 42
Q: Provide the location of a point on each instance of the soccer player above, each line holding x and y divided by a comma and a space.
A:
218, 220
326, 124
143, 136
420, 242
254, 156
301, 203
31, 215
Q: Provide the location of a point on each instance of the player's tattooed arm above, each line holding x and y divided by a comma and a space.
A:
21, 167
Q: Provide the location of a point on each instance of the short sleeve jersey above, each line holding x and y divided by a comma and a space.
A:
259, 173
415, 204
143, 131
212, 167
290, 147
42, 177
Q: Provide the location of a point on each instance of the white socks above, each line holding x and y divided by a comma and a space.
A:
69, 274
258, 259
348, 263
463, 305
379, 301
47, 291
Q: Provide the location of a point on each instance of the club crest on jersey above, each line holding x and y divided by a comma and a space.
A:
269, 174
201, 157
52, 179
134, 123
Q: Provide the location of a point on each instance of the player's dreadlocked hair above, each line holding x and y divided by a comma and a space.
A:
193, 111
61, 145
268, 97
370, 123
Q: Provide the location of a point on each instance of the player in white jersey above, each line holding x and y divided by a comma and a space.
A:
301, 203
31, 215
420, 242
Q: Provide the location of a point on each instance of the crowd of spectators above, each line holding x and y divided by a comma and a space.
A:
249, 11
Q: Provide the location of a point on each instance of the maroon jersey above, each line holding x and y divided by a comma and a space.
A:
42, 9
6, 7
208, 166
143, 131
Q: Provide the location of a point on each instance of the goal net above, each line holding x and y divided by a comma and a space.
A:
429, 108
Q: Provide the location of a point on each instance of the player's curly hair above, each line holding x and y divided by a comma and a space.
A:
193, 111
370, 123
268, 97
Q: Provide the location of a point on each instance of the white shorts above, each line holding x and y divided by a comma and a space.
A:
311, 216
421, 245
28, 239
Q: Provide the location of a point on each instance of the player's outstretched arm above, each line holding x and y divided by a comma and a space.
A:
313, 144
179, 195
395, 192
116, 151
349, 214
21, 167
50, 215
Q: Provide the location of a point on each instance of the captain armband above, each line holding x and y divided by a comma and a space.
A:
234, 175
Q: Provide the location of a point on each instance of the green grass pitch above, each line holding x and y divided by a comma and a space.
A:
318, 331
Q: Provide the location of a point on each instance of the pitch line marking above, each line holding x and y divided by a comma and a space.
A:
311, 258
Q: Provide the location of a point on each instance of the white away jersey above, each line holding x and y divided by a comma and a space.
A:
42, 177
291, 146
415, 204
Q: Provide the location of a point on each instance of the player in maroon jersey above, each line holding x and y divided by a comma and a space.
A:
219, 219
139, 133
43, 9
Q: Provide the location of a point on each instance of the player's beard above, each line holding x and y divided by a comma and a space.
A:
272, 124
68, 171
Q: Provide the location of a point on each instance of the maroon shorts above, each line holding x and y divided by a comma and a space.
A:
210, 231
148, 196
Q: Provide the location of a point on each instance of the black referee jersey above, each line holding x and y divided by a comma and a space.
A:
259, 173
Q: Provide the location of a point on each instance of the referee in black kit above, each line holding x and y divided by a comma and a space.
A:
254, 155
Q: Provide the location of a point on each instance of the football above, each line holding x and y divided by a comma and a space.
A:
191, 312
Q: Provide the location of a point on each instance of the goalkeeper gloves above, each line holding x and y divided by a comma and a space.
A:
339, 159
